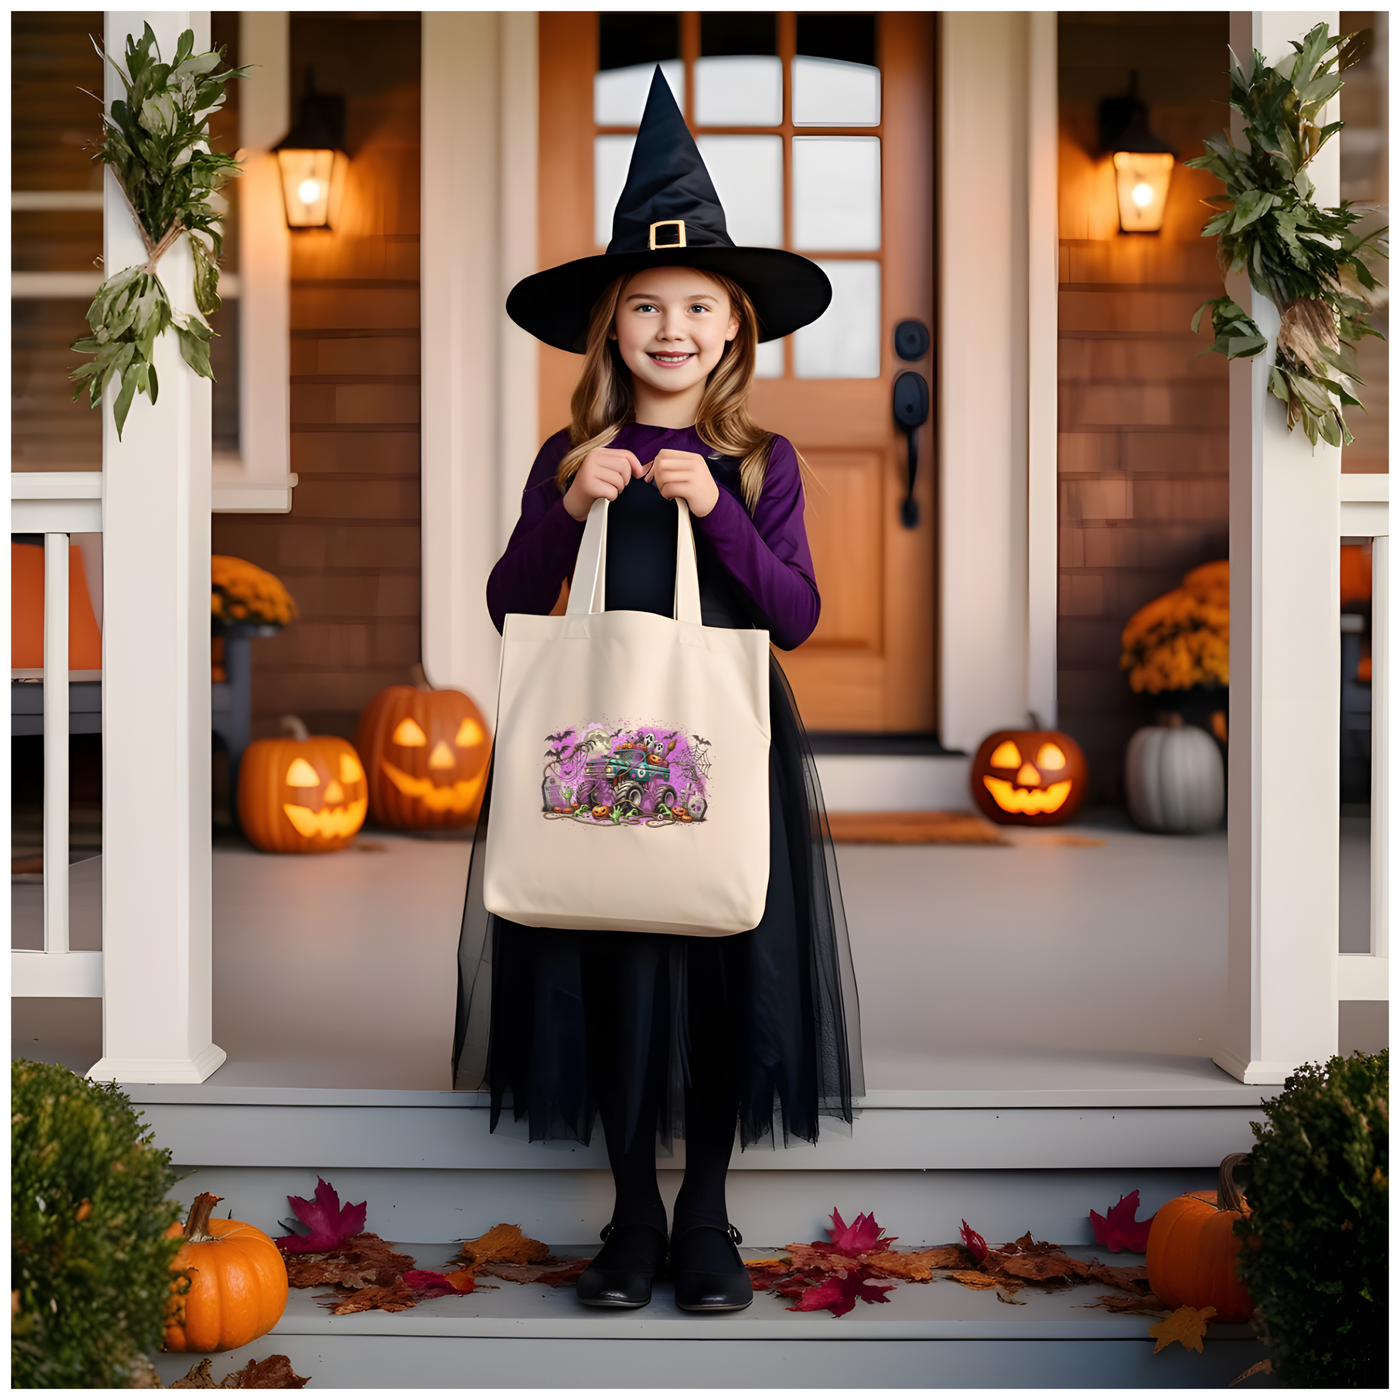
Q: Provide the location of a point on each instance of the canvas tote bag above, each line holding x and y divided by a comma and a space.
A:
631, 778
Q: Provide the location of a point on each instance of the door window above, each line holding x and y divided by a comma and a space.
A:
786, 110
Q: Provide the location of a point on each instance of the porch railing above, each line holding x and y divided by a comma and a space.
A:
1365, 513
55, 505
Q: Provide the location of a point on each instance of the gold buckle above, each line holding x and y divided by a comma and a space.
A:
677, 224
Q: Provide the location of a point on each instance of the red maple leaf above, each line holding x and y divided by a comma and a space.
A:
838, 1293
427, 1284
330, 1223
1121, 1229
858, 1238
976, 1245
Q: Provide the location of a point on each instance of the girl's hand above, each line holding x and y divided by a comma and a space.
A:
604, 472
685, 475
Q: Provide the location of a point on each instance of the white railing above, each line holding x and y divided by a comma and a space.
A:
55, 504
1365, 513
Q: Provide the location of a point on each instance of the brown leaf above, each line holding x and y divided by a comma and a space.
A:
973, 1278
506, 1244
1260, 1368
1308, 330
1185, 1325
555, 1272
363, 1260
1129, 1303
198, 1377
274, 1373
397, 1297
1007, 1294
918, 1264
1041, 1268
1119, 1275
806, 1256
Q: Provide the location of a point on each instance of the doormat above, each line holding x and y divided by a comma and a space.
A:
914, 829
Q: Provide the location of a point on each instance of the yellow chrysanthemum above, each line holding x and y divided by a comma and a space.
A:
242, 590
1182, 639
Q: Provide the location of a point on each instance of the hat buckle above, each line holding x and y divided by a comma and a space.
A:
677, 224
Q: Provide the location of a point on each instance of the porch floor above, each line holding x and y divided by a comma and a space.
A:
1068, 968
935, 1335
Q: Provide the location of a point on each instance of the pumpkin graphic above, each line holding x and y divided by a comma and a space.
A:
426, 753
1028, 777
301, 794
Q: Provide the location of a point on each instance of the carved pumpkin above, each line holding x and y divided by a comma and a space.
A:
1029, 777
426, 753
1192, 1247
301, 794
237, 1283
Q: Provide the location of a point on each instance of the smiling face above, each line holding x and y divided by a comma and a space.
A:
1028, 777
671, 329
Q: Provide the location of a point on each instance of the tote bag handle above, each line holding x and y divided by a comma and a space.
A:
587, 593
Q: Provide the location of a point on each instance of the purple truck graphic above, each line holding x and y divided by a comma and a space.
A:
611, 775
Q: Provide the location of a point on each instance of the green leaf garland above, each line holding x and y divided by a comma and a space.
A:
1306, 260
157, 145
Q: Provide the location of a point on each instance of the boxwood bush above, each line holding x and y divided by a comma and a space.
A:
89, 1261
1318, 1190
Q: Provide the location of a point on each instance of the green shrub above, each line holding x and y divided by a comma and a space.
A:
89, 1263
1318, 1191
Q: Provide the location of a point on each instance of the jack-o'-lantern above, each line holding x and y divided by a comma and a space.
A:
301, 794
1028, 777
426, 753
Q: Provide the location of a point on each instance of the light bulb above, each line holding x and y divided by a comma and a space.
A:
309, 191
1142, 195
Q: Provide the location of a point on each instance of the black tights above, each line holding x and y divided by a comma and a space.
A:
711, 1100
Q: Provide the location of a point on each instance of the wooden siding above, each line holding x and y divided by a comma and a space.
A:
349, 550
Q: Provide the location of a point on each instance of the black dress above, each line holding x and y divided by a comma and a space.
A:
542, 1014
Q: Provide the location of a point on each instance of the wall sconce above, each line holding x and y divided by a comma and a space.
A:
313, 162
1142, 165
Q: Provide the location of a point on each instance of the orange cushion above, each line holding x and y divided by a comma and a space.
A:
27, 611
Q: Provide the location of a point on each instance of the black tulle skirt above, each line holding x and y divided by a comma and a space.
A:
538, 1009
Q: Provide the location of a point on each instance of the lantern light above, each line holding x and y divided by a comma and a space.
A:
313, 162
1142, 164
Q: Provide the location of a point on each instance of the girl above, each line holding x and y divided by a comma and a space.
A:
649, 1032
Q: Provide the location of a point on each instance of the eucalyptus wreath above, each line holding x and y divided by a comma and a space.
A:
1306, 260
157, 146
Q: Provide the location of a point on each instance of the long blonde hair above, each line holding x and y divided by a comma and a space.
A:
603, 400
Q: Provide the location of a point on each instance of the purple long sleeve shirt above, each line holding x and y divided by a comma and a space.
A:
765, 555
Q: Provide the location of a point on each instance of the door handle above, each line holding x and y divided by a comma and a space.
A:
911, 413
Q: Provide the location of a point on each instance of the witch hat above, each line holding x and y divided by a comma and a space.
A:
668, 216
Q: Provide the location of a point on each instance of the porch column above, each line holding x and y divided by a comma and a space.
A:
1284, 692
157, 959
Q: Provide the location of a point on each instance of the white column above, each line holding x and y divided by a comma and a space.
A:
157, 961
55, 743
1383, 756
1284, 692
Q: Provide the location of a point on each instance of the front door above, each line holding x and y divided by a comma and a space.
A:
818, 132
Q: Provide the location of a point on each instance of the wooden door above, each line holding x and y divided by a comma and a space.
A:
818, 131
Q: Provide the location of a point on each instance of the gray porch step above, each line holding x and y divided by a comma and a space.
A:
928, 1335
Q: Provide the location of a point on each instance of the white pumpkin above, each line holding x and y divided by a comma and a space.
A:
1174, 779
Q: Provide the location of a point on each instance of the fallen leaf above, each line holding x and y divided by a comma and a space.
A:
1028, 1244
838, 1293
860, 1237
397, 1297
427, 1284
1260, 1368
361, 1261
330, 1223
972, 1278
555, 1272
1119, 1275
1042, 1268
1007, 1294
1120, 1229
273, 1373
976, 1245
200, 1376
819, 1256
1185, 1325
505, 1243
1129, 1303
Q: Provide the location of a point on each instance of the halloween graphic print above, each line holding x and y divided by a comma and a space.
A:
606, 774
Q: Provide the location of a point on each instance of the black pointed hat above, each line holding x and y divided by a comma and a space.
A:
669, 216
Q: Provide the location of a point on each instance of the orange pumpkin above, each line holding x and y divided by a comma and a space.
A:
301, 794
1029, 777
237, 1283
1192, 1247
426, 753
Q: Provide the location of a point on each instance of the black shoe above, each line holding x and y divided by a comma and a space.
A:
603, 1286
707, 1289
